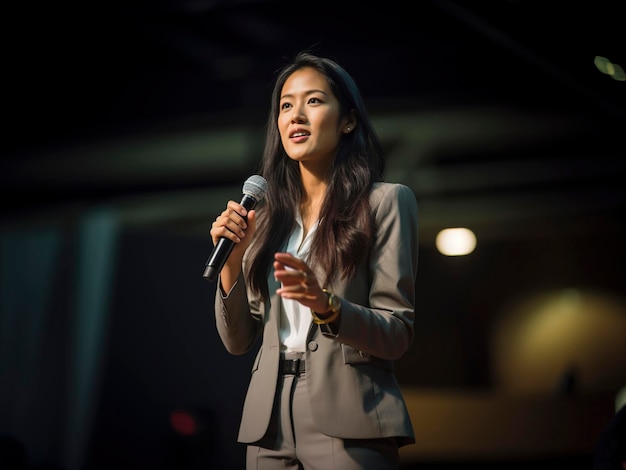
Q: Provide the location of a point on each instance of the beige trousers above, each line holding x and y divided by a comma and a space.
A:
294, 443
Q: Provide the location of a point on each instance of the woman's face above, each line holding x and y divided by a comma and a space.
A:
309, 118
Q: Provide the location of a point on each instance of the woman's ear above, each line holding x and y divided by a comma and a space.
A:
351, 122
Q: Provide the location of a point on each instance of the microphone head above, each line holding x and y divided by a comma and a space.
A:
255, 187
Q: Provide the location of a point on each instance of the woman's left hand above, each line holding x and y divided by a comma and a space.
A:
298, 282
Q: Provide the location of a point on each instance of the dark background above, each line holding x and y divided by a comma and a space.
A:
493, 112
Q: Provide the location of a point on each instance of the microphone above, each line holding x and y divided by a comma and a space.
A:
254, 190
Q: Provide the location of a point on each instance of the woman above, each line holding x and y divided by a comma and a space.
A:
325, 274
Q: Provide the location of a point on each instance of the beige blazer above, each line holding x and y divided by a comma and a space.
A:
350, 376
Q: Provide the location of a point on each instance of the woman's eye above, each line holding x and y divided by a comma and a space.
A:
315, 100
284, 105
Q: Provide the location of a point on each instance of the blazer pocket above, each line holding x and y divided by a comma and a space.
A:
355, 357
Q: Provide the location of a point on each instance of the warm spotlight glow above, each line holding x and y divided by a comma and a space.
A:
562, 342
456, 241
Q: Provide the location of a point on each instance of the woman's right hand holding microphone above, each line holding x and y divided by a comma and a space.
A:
238, 225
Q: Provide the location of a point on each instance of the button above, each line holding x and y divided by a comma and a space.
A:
313, 345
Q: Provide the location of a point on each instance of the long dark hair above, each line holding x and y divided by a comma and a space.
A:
343, 237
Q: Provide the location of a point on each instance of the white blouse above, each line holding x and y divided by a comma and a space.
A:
295, 318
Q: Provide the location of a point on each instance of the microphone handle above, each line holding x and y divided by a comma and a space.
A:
224, 246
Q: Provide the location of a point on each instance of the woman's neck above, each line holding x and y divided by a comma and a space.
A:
312, 201
310, 213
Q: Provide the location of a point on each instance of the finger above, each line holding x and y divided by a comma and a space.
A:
296, 284
216, 229
289, 275
304, 279
232, 217
238, 208
289, 260
278, 267
297, 292
225, 226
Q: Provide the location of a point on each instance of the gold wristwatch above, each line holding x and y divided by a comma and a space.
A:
334, 308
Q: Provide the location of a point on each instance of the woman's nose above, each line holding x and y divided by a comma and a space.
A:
298, 115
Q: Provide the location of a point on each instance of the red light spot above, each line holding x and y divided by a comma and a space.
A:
183, 423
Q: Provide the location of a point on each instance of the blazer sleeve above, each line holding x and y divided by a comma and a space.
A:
381, 324
239, 322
